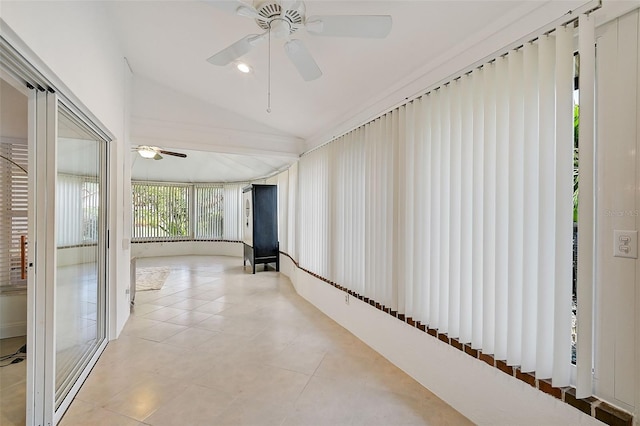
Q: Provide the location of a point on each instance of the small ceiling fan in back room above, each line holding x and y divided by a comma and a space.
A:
153, 152
281, 19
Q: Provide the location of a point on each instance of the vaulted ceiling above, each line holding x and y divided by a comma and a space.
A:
182, 101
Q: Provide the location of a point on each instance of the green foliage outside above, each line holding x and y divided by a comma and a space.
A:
165, 208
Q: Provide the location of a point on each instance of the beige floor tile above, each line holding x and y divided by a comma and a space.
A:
189, 318
374, 407
196, 405
189, 304
296, 357
241, 326
190, 338
104, 383
235, 377
13, 403
136, 323
357, 368
141, 309
252, 412
168, 299
158, 332
324, 401
164, 313
277, 385
142, 399
209, 295
82, 414
212, 307
188, 367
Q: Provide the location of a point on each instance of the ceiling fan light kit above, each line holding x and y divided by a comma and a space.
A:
280, 19
243, 68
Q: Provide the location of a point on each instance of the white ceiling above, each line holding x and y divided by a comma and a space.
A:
167, 43
206, 167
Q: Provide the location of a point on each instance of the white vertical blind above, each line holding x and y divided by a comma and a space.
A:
546, 208
564, 204
530, 203
77, 220
283, 210
466, 208
424, 197
292, 214
501, 258
209, 212
232, 214
455, 197
586, 207
478, 191
445, 208
455, 209
436, 143
489, 212
516, 199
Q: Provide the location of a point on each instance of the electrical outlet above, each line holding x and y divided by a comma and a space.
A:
346, 299
625, 244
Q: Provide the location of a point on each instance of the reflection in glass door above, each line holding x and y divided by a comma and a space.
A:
80, 304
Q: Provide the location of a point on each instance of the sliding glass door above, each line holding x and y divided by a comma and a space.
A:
80, 284
68, 165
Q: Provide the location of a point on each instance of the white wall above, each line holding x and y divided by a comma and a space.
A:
618, 207
484, 394
72, 43
187, 248
13, 314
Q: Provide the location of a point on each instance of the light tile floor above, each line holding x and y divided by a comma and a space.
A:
13, 384
218, 345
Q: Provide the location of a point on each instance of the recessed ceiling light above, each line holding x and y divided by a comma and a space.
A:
242, 67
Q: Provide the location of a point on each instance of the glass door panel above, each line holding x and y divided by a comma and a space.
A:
80, 250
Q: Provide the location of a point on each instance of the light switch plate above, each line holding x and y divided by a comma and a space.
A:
625, 244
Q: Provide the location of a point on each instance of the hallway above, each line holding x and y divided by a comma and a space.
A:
220, 346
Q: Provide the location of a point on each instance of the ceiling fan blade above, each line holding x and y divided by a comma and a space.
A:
236, 50
370, 26
175, 154
302, 59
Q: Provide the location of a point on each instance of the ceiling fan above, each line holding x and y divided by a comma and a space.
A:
153, 152
280, 19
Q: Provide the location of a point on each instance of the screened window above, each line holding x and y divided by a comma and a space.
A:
209, 212
180, 211
160, 211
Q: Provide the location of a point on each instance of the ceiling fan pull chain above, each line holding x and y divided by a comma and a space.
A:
269, 75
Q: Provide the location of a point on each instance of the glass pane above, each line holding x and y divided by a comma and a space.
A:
80, 236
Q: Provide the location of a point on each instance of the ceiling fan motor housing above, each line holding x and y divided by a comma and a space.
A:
272, 10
